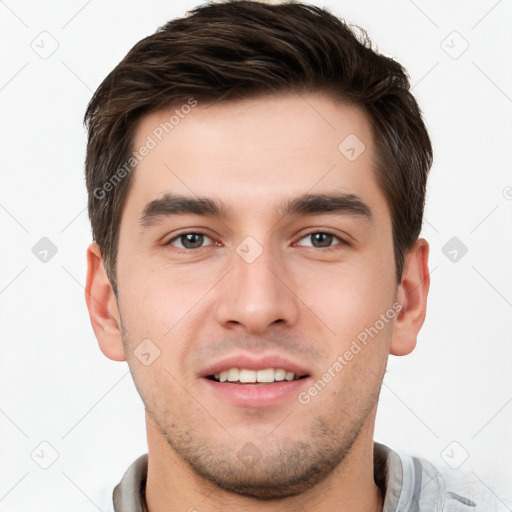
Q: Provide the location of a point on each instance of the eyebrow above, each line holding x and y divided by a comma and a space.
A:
306, 204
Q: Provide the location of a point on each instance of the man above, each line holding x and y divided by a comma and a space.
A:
256, 178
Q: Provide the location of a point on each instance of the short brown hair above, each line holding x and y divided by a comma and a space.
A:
241, 49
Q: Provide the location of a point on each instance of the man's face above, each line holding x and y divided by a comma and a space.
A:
258, 288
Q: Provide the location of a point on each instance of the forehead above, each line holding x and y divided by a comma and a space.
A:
256, 152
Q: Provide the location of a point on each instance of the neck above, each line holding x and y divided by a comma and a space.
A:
173, 486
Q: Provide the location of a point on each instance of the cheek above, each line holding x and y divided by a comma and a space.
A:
156, 297
167, 306
348, 299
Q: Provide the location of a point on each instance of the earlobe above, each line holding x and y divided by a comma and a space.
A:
412, 295
102, 306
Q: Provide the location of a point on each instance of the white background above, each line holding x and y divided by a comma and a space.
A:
55, 384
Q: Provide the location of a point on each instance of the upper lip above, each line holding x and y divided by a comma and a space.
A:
251, 362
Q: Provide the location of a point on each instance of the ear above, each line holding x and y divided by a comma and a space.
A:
412, 295
102, 305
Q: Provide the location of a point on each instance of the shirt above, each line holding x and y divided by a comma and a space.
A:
408, 484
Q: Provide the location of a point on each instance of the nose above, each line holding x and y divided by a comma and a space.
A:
256, 294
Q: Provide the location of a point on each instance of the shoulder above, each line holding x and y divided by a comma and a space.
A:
471, 492
125, 495
415, 484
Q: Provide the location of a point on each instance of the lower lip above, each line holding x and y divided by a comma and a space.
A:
257, 395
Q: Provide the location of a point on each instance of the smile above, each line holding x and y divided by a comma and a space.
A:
246, 376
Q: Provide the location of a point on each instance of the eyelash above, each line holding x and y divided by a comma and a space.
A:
324, 249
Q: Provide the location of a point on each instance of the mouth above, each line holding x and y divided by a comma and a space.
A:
255, 382
263, 377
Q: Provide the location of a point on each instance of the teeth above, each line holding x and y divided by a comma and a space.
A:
247, 376
250, 376
233, 374
279, 374
265, 375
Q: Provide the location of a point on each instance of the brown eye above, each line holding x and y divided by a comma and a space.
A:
321, 240
189, 240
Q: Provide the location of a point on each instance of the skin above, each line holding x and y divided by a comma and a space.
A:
296, 299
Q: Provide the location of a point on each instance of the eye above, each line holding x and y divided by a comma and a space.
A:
317, 239
322, 239
190, 240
